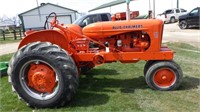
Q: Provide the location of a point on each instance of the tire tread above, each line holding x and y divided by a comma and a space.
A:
60, 57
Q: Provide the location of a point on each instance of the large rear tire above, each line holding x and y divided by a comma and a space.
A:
164, 76
43, 75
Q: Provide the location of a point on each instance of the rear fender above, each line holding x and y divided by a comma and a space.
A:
52, 36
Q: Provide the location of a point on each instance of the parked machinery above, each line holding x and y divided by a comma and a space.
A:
45, 70
122, 15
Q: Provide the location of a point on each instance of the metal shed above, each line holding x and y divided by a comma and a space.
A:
35, 18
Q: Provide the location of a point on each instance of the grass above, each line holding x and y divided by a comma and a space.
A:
121, 87
9, 40
6, 57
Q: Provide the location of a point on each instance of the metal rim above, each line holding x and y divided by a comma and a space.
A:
172, 19
164, 78
183, 25
30, 91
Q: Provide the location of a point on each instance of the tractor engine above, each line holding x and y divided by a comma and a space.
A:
137, 41
128, 42
125, 36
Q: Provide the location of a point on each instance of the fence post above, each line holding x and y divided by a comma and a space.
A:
20, 33
4, 37
14, 32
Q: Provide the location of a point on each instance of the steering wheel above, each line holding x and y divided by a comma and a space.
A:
52, 23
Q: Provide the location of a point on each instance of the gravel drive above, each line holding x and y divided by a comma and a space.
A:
8, 48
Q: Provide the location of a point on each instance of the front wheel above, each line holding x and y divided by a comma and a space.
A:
183, 24
43, 75
147, 65
164, 76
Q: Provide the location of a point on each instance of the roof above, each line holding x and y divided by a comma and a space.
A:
116, 2
45, 5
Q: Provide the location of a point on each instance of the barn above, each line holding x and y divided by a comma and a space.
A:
36, 17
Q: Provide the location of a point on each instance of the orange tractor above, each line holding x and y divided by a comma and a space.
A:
45, 70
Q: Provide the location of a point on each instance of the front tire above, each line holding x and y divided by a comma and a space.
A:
183, 24
147, 65
164, 76
43, 75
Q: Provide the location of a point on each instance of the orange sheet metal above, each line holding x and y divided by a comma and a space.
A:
164, 54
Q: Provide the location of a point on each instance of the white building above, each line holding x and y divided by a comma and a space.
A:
35, 18
143, 6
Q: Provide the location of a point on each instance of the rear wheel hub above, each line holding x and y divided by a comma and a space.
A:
41, 78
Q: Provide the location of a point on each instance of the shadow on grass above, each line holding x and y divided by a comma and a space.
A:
100, 84
95, 91
93, 72
189, 83
86, 99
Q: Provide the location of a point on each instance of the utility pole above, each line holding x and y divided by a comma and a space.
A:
154, 9
128, 10
38, 10
149, 4
177, 3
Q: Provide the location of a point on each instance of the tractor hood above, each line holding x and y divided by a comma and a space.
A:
106, 29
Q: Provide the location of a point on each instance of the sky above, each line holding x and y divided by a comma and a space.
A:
160, 6
11, 8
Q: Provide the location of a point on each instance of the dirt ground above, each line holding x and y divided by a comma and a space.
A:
8, 48
172, 33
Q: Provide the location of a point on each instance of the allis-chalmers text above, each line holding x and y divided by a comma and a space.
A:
127, 27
